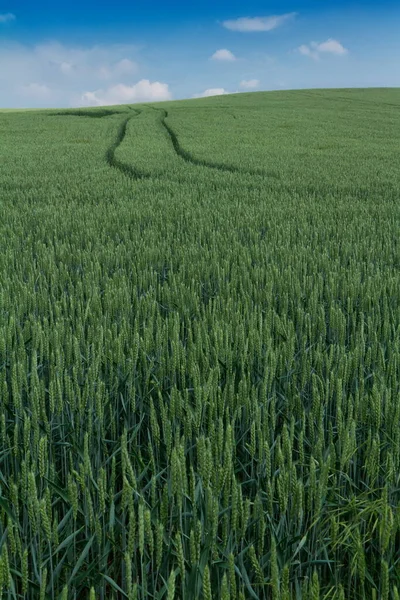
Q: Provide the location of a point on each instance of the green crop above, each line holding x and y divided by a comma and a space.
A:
200, 349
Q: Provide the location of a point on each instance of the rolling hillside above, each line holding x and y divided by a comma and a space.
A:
200, 349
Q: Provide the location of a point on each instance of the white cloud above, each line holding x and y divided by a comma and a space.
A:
332, 46
7, 17
223, 54
306, 51
248, 24
142, 91
92, 99
250, 84
211, 92
315, 49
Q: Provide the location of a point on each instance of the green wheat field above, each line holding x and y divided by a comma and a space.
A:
200, 349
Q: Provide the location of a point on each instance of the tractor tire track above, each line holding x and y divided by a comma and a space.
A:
121, 166
110, 157
128, 170
189, 158
86, 113
278, 183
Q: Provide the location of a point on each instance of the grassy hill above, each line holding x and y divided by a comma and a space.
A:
200, 349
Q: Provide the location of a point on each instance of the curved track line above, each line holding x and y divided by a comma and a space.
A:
111, 159
188, 157
128, 170
86, 113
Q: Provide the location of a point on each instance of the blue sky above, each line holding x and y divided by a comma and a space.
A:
93, 53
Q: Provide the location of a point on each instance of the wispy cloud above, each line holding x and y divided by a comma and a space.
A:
118, 69
68, 71
223, 54
249, 84
315, 49
6, 17
66, 67
142, 91
250, 24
